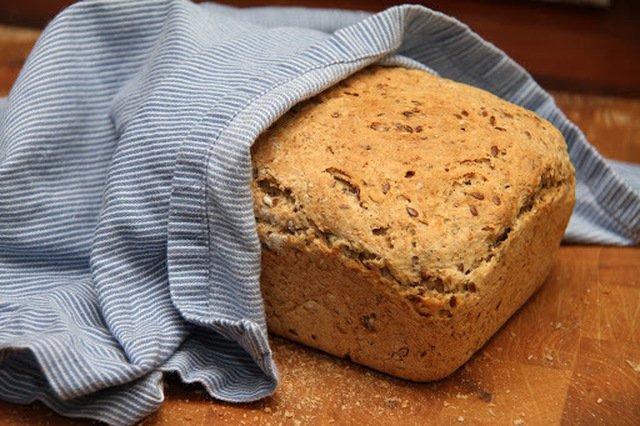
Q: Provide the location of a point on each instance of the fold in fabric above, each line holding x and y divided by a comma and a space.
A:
128, 246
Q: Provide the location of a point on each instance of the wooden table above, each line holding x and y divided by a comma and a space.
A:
571, 355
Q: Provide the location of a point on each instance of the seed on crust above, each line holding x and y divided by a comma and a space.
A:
453, 302
385, 188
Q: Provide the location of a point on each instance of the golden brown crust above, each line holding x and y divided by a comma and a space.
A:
405, 217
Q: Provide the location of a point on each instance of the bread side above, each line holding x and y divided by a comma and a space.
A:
405, 217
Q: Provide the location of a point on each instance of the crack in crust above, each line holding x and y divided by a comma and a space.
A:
430, 281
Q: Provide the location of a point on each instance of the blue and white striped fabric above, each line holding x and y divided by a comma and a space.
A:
127, 240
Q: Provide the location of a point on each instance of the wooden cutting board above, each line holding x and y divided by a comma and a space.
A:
571, 355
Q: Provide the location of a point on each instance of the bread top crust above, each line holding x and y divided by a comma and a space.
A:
414, 175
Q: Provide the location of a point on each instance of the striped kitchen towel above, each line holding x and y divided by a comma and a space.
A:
127, 239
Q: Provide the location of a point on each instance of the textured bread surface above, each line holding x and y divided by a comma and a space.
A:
405, 217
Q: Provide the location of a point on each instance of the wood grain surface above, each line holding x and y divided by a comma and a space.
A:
570, 356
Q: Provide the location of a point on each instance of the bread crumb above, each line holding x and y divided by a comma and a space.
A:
634, 365
461, 419
600, 400
518, 422
446, 404
392, 402
461, 396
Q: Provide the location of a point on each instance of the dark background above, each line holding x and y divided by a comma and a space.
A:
566, 46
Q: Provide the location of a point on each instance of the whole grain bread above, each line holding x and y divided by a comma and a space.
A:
405, 217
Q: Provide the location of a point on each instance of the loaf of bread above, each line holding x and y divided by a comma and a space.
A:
405, 217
